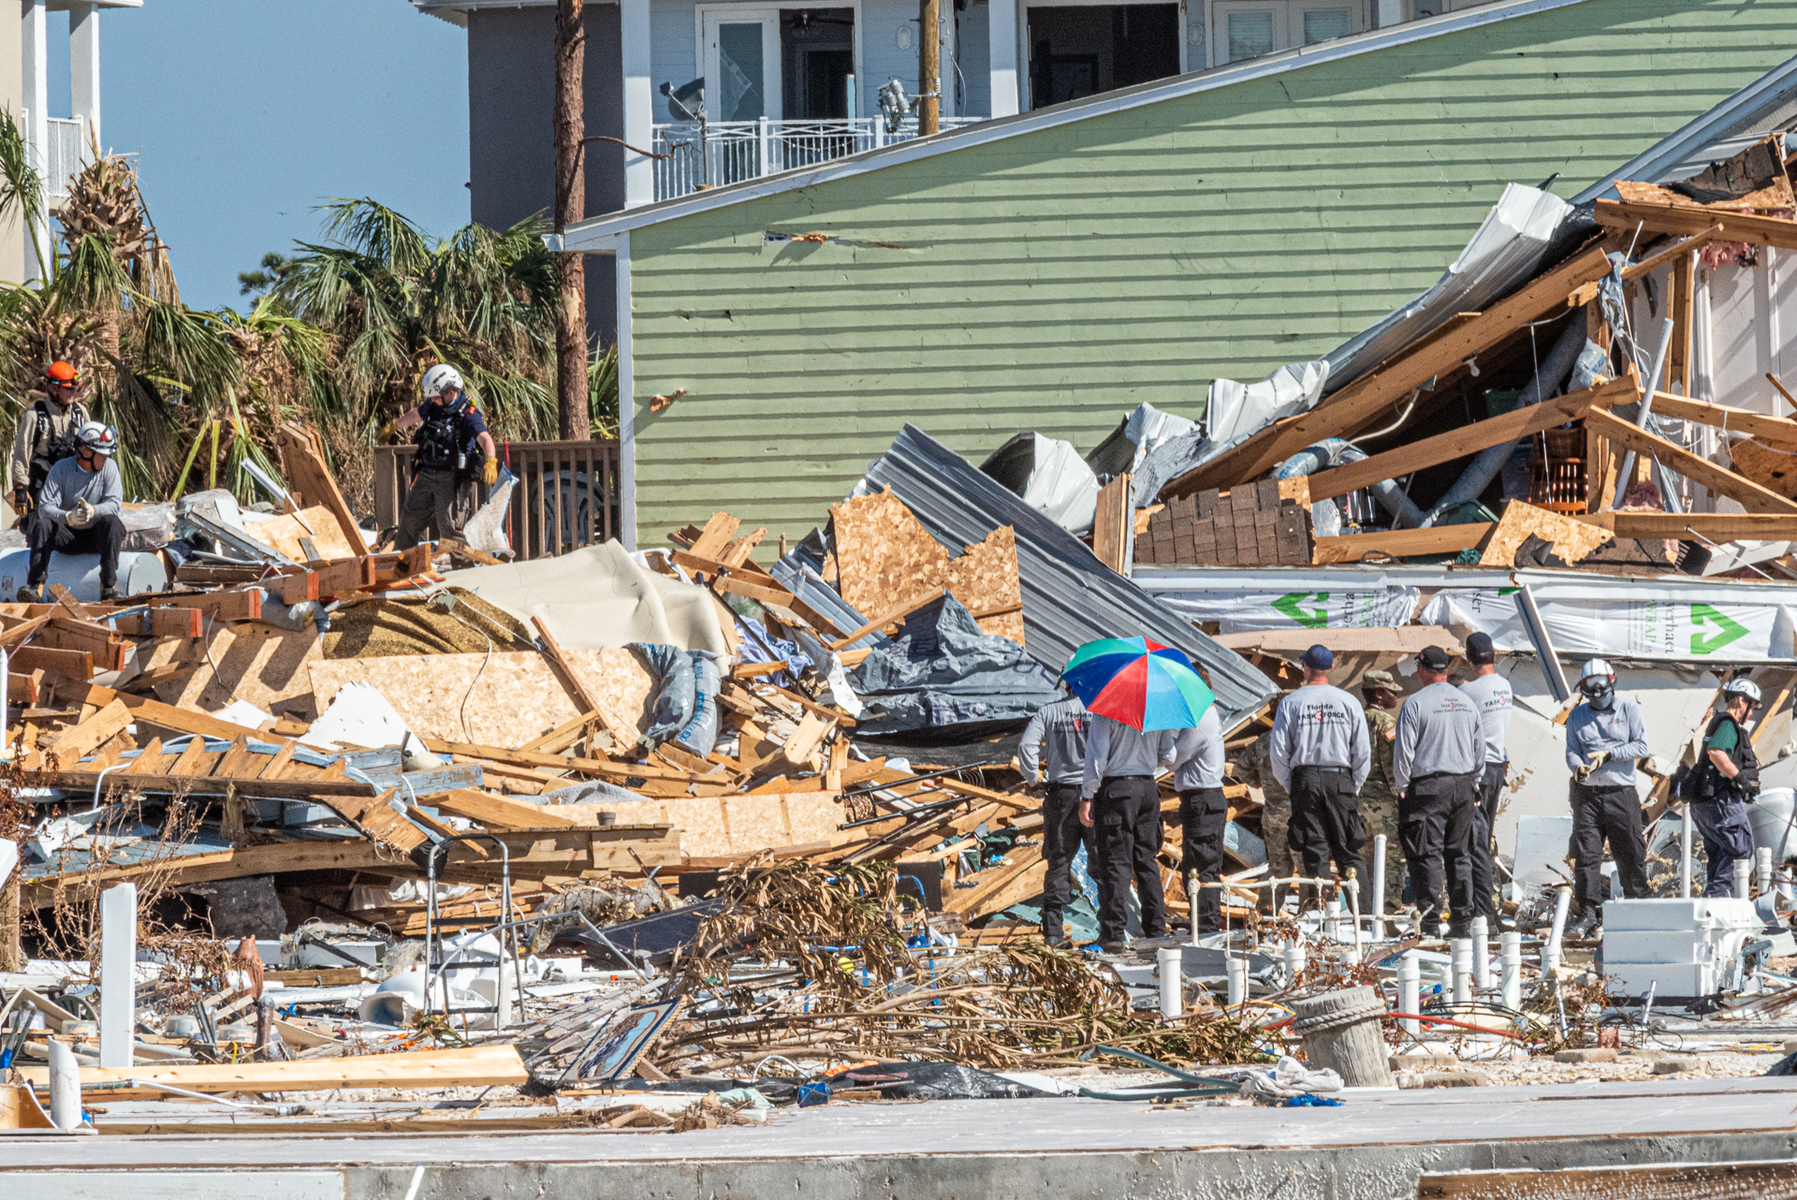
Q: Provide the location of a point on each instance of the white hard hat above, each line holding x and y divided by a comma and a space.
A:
101, 439
1595, 668
439, 379
1742, 687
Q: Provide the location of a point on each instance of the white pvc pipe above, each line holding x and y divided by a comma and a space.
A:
1481, 953
1294, 959
1510, 951
1238, 979
1743, 877
1172, 982
1762, 869
1550, 953
1192, 907
1378, 886
1684, 854
1461, 952
1410, 990
65, 1086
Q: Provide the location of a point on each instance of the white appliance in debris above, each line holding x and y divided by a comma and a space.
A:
1681, 948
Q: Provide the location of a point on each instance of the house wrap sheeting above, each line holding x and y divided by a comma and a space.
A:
1069, 597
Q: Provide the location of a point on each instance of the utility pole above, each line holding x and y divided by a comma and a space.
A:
929, 68
572, 406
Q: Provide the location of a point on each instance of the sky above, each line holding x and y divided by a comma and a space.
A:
244, 114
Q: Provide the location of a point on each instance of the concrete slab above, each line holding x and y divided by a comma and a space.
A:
1374, 1147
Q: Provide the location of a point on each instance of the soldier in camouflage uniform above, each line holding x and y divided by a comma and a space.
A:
1254, 767
1379, 796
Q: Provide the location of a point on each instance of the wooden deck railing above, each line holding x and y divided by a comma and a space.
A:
566, 497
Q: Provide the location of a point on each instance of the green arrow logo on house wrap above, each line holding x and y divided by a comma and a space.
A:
1703, 616
1292, 605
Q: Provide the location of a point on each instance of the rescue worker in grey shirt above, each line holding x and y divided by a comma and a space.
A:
1321, 755
1604, 737
77, 512
1437, 764
1492, 693
1120, 802
1203, 813
1062, 724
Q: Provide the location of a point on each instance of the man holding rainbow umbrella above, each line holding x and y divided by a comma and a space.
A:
1140, 694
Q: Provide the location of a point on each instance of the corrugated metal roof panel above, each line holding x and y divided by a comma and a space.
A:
1069, 597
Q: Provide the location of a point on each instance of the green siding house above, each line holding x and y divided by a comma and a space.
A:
1051, 271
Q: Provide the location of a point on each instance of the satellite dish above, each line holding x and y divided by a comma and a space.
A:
686, 103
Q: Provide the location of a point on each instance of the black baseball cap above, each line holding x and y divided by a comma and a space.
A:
1435, 658
1479, 649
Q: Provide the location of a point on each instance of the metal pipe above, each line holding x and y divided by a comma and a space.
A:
1488, 462
1626, 473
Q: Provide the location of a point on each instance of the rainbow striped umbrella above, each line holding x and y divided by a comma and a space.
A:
1144, 684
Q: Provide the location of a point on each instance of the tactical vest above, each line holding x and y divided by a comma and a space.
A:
49, 447
1708, 783
442, 443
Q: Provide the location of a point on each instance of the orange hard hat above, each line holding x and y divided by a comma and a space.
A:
62, 372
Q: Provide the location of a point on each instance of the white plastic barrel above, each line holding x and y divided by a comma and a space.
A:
80, 573
1770, 816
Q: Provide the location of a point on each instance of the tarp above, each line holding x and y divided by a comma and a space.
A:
1251, 611
597, 598
1647, 625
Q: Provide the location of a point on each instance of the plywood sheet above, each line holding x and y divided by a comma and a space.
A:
504, 702
1769, 466
1572, 539
717, 825
886, 557
319, 525
260, 664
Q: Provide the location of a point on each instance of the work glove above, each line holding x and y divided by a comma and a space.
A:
388, 432
489, 474
81, 516
1593, 761
21, 501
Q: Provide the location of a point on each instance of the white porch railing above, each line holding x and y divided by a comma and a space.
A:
62, 156
738, 150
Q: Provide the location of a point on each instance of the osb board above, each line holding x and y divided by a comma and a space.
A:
284, 534
1779, 195
258, 663
1572, 539
716, 825
885, 556
515, 698
1771, 467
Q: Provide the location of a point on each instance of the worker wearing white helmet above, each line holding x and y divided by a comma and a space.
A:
78, 512
454, 448
1605, 736
1726, 780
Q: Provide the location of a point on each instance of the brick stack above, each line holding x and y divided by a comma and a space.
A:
1248, 526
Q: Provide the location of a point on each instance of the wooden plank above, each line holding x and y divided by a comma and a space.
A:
1715, 527
168, 716
24, 689
1402, 543
303, 463
1660, 258
1677, 459
1679, 309
72, 744
584, 700
1685, 1181
497, 812
476, 1066
1111, 524
1684, 221
884, 619
1368, 398
553, 762
753, 590
181, 777
70, 664
1469, 439
1780, 430
245, 604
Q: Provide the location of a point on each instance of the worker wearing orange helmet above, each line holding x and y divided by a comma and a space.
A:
48, 433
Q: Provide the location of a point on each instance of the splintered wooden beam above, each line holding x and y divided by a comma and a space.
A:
584, 700
1682, 221
1680, 461
478, 1066
1402, 543
1716, 527
1781, 430
1469, 439
498, 812
303, 463
1365, 400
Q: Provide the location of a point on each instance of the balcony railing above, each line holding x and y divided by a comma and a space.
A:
738, 150
62, 156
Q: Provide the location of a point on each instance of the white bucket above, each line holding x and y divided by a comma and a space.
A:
1770, 816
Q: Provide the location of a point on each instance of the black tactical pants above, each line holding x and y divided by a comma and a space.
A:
44, 535
1062, 836
1490, 793
1727, 835
1126, 815
1326, 824
434, 502
1203, 813
1612, 814
1437, 821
